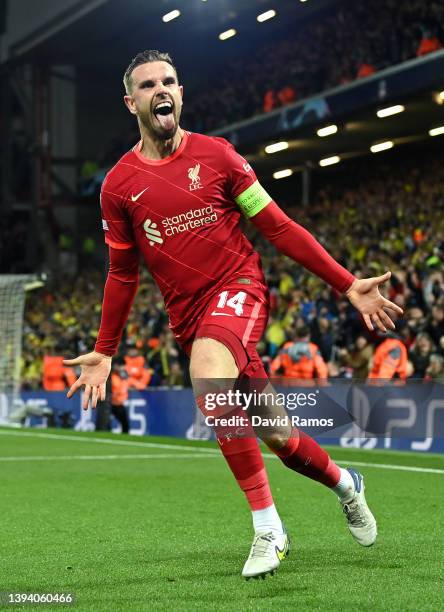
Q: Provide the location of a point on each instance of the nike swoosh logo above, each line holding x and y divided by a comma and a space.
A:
221, 314
134, 198
281, 554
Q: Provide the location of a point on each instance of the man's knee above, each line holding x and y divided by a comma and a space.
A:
275, 440
212, 359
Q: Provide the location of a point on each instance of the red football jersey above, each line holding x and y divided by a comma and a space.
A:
180, 213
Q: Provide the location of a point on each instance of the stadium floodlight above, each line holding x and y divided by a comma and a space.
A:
171, 15
328, 130
439, 97
329, 161
280, 174
277, 146
382, 146
266, 16
437, 131
390, 110
227, 34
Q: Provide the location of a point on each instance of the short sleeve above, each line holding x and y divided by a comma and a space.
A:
244, 187
115, 222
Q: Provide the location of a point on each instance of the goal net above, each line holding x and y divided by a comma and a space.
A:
12, 304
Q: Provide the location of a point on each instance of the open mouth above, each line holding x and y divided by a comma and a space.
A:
163, 112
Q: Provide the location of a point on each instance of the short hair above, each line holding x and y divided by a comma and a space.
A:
145, 57
302, 331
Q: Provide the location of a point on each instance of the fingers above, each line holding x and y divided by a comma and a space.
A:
86, 396
102, 393
392, 306
74, 388
386, 319
72, 362
368, 322
377, 321
383, 278
383, 321
95, 394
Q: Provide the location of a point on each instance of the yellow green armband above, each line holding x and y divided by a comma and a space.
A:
253, 200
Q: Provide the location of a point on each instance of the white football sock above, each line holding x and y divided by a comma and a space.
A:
345, 489
267, 520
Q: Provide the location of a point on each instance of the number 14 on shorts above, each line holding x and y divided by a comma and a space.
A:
235, 302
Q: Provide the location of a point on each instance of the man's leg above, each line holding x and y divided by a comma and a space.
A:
304, 455
296, 450
213, 368
212, 361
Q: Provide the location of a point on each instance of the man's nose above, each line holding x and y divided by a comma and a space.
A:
161, 89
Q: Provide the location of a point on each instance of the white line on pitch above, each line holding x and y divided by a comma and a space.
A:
47, 436
384, 466
106, 457
391, 466
208, 451
405, 468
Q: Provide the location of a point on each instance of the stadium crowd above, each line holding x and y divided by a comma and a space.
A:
404, 232
354, 40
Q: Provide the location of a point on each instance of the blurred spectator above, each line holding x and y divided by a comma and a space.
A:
300, 360
389, 361
365, 70
139, 375
420, 354
322, 335
270, 101
359, 358
119, 394
428, 44
56, 376
275, 336
163, 357
435, 370
435, 327
286, 95
175, 377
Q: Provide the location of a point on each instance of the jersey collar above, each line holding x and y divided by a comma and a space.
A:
165, 160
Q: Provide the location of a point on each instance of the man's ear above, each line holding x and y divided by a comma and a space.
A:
181, 91
129, 103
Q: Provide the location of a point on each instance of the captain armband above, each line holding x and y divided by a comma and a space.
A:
253, 200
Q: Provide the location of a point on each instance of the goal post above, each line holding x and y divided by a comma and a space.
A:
13, 288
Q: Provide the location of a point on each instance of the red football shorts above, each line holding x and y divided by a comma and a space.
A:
237, 317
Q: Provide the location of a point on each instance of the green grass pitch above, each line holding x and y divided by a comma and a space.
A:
139, 524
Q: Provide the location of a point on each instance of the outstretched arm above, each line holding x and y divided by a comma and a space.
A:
118, 296
296, 242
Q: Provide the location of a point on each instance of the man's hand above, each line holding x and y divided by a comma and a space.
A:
95, 371
365, 297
